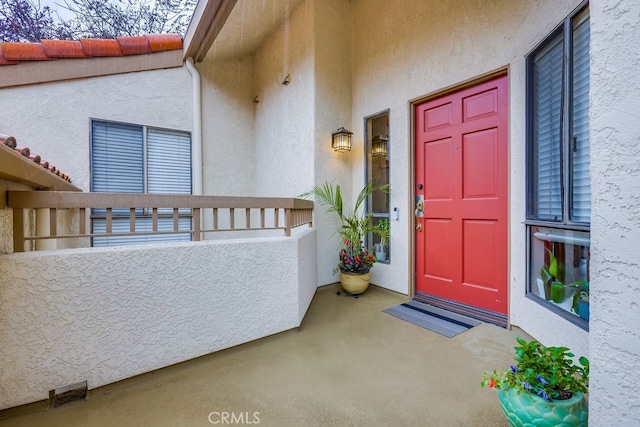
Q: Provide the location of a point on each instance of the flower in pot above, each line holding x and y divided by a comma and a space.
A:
355, 225
545, 387
355, 258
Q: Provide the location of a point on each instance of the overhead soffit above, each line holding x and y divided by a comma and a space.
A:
249, 24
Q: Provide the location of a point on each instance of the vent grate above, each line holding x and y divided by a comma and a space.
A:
67, 394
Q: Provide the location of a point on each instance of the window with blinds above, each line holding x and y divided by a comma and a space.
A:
559, 185
129, 158
558, 181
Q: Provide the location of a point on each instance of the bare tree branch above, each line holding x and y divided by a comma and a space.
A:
27, 20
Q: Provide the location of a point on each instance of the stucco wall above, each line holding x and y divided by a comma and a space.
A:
228, 116
103, 315
333, 53
284, 116
615, 217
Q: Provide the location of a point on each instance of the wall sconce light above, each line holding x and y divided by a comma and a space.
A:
341, 140
379, 146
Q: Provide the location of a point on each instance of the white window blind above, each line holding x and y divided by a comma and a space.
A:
168, 162
134, 159
547, 131
581, 182
116, 158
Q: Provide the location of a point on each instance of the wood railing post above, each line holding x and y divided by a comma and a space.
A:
196, 224
287, 222
18, 230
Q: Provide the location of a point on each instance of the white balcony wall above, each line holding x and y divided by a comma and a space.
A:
103, 315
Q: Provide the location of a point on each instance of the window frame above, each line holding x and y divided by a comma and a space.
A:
566, 30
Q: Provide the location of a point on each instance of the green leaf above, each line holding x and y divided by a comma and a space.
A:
553, 265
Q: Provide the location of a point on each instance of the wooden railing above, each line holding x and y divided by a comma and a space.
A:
226, 213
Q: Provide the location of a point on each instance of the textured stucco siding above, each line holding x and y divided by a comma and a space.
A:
228, 115
103, 315
307, 270
332, 97
284, 116
614, 336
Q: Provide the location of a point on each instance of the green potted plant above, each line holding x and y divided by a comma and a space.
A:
561, 293
354, 259
552, 275
545, 387
382, 229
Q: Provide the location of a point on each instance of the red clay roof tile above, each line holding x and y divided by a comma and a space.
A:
161, 42
63, 48
24, 51
101, 47
3, 60
25, 151
13, 53
9, 141
137, 45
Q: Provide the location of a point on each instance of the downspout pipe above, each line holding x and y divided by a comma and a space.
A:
196, 137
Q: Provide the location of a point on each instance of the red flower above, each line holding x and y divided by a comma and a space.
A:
492, 383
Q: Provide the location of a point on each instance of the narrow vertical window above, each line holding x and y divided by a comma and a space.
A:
377, 166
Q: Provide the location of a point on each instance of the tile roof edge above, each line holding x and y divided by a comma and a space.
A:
12, 53
11, 143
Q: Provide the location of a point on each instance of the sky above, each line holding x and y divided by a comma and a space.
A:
65, 14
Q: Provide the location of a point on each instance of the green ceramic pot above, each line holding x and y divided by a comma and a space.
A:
527, 409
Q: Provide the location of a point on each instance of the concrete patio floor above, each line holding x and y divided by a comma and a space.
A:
349, 364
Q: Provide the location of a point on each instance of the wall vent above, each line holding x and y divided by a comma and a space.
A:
67, 394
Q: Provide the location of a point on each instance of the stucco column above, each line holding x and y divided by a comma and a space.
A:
43, 228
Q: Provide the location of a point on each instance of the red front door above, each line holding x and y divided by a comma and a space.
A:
461, 174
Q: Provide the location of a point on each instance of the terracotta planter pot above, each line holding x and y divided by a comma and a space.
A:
354, 283
527, 409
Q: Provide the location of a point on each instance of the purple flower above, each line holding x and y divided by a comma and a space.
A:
513, 369
526, 385
544, 395
542, 380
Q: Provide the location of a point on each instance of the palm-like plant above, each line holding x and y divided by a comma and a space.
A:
354, 225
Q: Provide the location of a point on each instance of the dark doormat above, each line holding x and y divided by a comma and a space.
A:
432, 318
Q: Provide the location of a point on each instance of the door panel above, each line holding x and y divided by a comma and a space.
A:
461, 171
